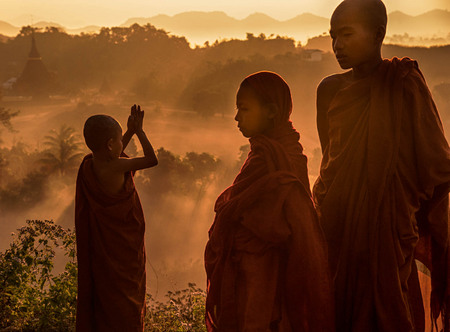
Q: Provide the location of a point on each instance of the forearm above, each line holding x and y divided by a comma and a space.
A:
126, 139
147, 147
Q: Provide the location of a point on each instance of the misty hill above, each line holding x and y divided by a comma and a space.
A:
10, 30
435, 22
201, 26
430, 28
86, 29
44, 24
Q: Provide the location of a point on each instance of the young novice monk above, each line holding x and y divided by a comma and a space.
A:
266, 261
382, 193
110, 226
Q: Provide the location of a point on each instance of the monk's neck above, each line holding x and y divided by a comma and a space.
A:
366, 69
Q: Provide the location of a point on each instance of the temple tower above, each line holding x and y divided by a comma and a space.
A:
35, 80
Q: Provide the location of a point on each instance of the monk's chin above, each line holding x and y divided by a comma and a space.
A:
344, 65
246, 135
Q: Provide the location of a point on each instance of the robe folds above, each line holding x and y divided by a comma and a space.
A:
266, 259
382, 200
111, 255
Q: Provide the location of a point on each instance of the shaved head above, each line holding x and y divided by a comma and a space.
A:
370, 12
98, 129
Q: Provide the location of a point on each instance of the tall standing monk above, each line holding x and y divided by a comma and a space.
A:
110, 225
266, 261
382, 193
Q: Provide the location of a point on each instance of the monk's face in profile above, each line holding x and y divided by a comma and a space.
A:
252, 116
354, 41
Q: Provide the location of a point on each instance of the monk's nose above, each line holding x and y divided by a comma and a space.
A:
337, 44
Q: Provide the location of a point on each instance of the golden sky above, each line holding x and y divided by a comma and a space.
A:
78, 13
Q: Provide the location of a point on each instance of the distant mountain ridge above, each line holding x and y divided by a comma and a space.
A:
215, 25
10, 30
199, 27
430, 23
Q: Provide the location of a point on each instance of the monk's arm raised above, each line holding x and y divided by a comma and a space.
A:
149, 153
126, 139
133, 164
149, 159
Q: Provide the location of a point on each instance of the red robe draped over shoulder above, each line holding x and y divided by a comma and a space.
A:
111, 255
266, 259
382, 198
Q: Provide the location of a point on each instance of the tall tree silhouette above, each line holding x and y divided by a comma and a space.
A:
63, 151
5, 117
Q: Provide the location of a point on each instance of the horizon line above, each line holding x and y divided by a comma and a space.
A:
193, 11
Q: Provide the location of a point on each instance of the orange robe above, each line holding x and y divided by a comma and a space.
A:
111, 255
382, 199
266, 259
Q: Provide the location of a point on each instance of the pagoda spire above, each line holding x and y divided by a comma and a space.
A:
34, 54
35, 80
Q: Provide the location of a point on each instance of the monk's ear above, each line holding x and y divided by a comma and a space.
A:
109, 144
380, 32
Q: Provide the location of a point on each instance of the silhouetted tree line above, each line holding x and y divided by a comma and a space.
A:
149, 63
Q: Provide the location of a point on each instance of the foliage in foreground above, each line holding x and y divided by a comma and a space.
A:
33, 298
184, 311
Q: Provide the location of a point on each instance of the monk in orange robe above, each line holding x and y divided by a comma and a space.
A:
266, 259
110, 226
382, 193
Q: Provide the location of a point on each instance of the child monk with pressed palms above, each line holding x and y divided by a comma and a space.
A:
110, 227
266, 260
382, 193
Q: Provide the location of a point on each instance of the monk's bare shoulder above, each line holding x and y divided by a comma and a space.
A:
326, 90
330, 85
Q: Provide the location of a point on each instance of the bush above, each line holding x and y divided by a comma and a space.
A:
184, 311
32, 298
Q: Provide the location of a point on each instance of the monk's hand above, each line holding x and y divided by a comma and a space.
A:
131, 123
139, 119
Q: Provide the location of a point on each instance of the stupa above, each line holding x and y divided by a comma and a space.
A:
35, 81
